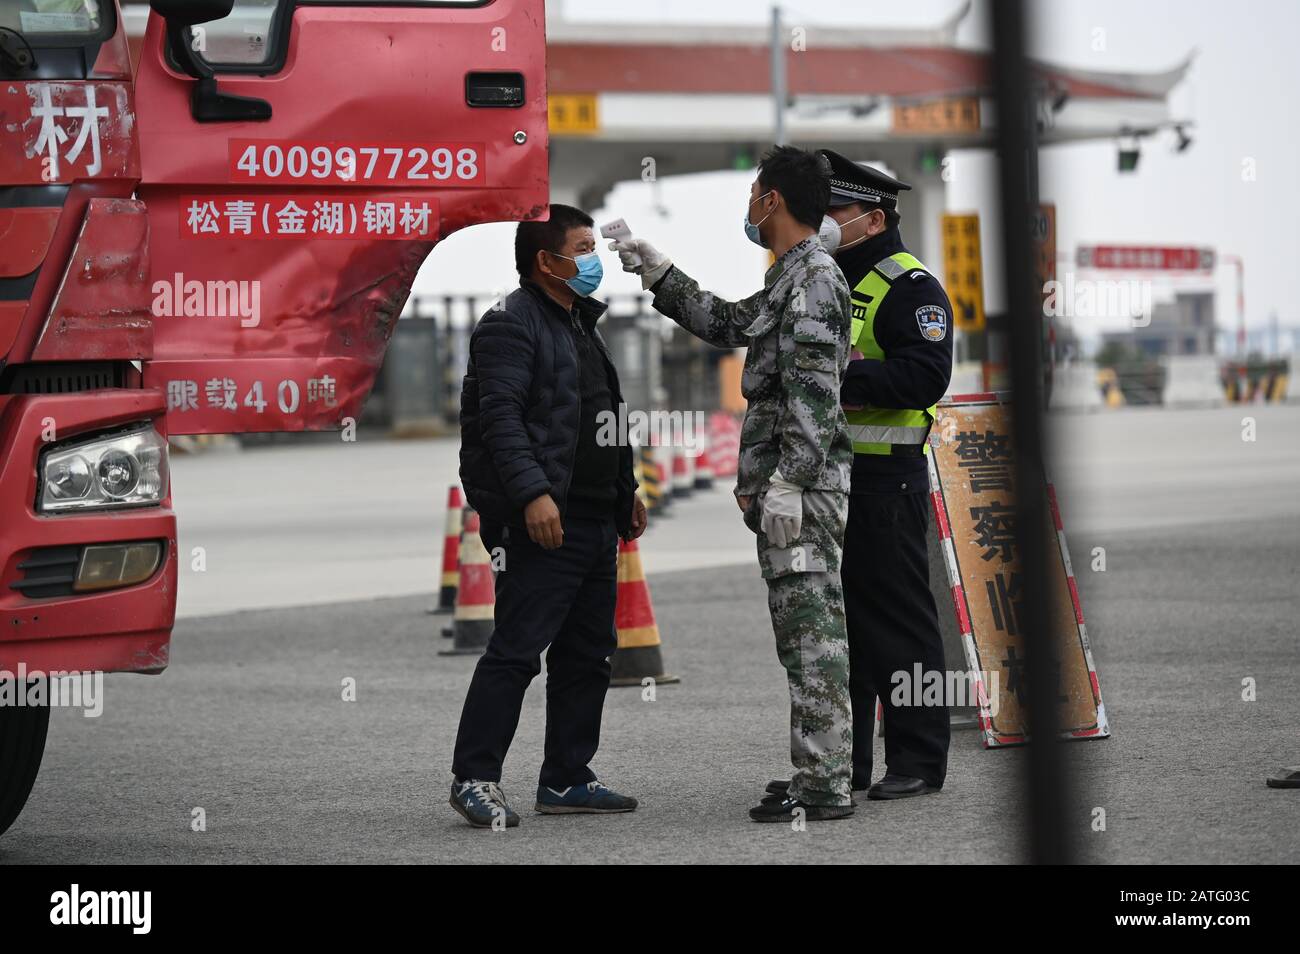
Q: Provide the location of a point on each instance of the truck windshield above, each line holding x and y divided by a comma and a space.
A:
246, 38
61, 19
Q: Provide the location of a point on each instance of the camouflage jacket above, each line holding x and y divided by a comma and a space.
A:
797, 334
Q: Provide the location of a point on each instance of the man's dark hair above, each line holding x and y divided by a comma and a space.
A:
533, 237
802, 178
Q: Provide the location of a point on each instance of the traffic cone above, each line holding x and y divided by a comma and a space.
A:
704, 465
475, 596
465, 511
638, 656
683, 482
664, 460
656, 499
638, 474
451, 552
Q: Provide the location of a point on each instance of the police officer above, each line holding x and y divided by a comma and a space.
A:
901, 336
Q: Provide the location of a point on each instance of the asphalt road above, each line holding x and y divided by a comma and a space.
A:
1200, 592
328, 522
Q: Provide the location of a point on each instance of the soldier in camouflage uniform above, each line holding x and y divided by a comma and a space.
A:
795, 455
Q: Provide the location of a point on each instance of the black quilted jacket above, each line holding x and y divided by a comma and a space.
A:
519, 407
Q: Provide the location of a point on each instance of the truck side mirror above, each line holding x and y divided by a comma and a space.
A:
190, 12
207, 103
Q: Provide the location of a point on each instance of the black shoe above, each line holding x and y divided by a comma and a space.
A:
899, 786
779, 786
1288, 777
777, 808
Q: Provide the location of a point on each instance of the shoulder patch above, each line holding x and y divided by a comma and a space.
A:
933, 322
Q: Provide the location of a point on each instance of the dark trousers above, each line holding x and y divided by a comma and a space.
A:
893, 625
562, 599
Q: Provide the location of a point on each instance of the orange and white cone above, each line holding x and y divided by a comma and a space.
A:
465, 511
475, 597
663, 458
683, 480
638, 474
638, 656
451, 551
704, 465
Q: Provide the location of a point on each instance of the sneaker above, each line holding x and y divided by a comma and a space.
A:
781, 808
481, 803
593, 799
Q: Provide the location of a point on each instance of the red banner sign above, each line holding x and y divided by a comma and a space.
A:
409, 216
1143, 257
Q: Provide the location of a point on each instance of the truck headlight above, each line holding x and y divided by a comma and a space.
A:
121, 470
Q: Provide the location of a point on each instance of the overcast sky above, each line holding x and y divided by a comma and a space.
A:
1240, 94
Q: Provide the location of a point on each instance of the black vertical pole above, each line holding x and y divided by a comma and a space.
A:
451, 379
1046, 784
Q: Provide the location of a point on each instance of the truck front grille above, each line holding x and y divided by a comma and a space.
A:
62, 378
48, 571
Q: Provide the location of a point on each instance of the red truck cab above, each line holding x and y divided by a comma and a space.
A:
221, 243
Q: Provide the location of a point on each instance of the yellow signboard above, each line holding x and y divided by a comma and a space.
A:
572, 114
972, 470
963, 270
959, 114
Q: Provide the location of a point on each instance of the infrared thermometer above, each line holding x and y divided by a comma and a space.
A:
619, 232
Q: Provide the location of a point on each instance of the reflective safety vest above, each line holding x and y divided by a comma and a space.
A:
882, 430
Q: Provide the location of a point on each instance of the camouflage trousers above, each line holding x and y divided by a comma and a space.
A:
806, 601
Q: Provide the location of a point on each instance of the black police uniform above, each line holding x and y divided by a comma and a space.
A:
892, 620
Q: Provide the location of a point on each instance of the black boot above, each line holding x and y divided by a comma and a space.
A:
779, 786
899, 786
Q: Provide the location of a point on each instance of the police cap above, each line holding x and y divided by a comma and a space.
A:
858, 182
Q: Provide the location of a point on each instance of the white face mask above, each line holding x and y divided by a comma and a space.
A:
831, 232
751, 228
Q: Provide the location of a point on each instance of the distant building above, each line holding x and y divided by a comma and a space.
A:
1183, 326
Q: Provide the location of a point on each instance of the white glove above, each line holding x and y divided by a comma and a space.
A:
782, 512
641, 258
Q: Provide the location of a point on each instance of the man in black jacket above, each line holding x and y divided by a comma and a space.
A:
555, 495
